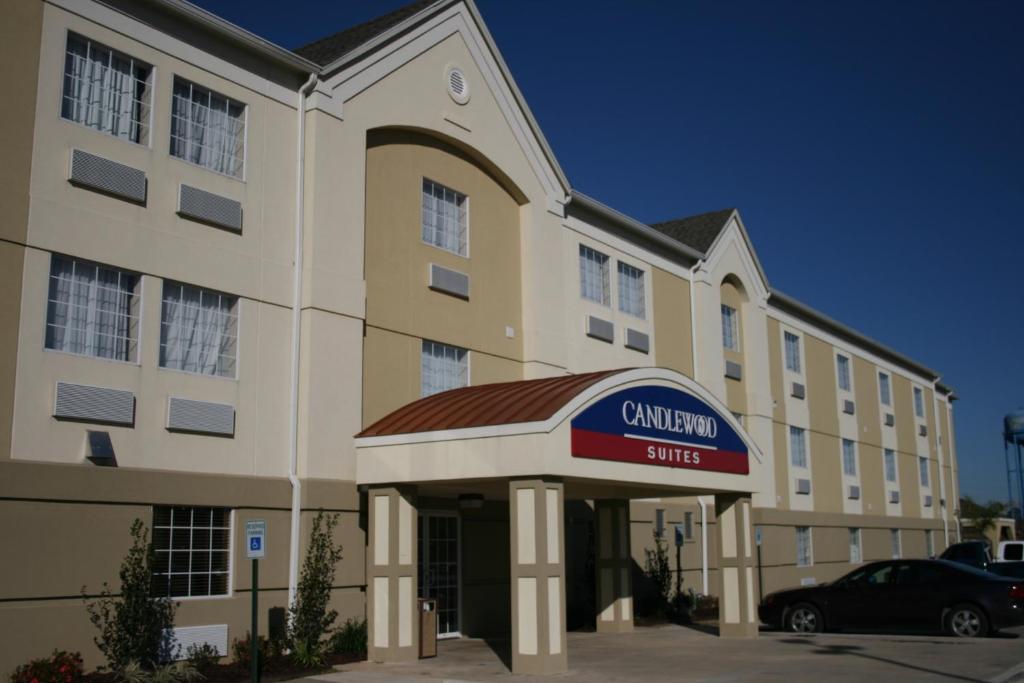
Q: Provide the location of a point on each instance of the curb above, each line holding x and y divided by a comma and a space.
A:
1012, 675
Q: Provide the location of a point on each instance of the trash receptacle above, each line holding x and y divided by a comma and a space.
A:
428, 628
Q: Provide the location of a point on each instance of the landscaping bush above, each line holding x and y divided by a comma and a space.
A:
310, 620
178, 672
202, 657
350, 639
658, 572
60, 667
134, 625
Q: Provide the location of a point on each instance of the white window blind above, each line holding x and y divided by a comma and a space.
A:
849, 458
730, 328
595, 282
897, 545
884, 392
631, 290
444, 218
922, 466
856, 557
191, 547
804, 555
918, 402
797, 447
792, 352
92, 310
198, 330
106, 90
843, 372
890, 465
207, 129
442, 367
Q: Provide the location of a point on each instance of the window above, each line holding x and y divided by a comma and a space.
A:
631, 290
198, 330
659, 523
792, 352
594, 279
875, 576
192, 547
804, 556
929, 544
207, 129
92, 310
884, 392
106, 90
897, 546
918, 402
730, 328
797, 447
922, 467
442, 367
1013, 552
849, 458
843, 372
444, 218
855, 553
890, 465
688, 525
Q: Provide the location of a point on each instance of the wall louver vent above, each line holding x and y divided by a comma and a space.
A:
458, 86
94, 404
185, 415
448, 281
922, 430
890, 419
927, 501
849, 407
599, 328
183, 637
894, 497
109, 177
211, 208
638, 341
733, 370
798, 391
803, 486
854, 493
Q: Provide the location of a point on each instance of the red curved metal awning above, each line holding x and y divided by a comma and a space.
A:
487, 405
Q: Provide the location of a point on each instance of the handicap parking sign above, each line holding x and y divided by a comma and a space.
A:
255, 536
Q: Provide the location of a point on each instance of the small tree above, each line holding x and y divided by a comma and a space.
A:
659, 571
309, 619
981, 517
135, 625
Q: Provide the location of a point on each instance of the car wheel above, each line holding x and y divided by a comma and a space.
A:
804, 618
966, 621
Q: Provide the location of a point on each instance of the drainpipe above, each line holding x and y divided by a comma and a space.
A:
293, 432
693, 314
942, 479
703, 543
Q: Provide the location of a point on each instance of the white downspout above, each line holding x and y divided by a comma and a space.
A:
944, 507
700, 499
704, 544
293, 432
693, 314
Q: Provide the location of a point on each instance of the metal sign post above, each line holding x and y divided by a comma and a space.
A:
255, 550
760, 575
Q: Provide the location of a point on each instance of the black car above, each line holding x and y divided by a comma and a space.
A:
921, 595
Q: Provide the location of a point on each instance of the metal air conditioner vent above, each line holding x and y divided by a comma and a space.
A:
94, 404
110, 177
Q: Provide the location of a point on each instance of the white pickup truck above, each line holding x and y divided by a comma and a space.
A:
1010, 551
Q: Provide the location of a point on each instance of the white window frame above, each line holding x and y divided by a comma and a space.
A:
923, 474
245, 129
604, 270
886, 453
885, 397
146, 126
852, 453
236, 313
896, 543
844, 362
637, 276
461, 239
919, 403
230, 554
730, 328
810, 546
856, 546
466, 355
797, 359
794, 431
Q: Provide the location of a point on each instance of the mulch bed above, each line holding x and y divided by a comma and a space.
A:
275, 670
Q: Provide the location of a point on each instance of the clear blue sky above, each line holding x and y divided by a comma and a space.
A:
874, 149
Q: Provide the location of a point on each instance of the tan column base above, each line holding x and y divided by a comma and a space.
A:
391, 614
536, 523
737, 609
613, 567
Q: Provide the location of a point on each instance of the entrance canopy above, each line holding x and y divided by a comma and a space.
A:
629, 433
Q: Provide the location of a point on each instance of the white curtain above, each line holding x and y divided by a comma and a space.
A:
197, 331
442, 368
100, 90
207, 129
445, 216
89, 310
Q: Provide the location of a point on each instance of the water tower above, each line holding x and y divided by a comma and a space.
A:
1013, 447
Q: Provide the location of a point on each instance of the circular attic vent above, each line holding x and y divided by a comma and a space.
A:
458, 86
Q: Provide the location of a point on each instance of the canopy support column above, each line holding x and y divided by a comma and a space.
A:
613, 566
391, 610
737, 612
537, 558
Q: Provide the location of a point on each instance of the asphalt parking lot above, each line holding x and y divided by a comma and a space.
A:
675, 653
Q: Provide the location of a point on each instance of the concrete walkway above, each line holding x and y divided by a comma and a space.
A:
673, 653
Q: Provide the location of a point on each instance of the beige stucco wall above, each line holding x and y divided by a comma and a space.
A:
672, 321
735, 390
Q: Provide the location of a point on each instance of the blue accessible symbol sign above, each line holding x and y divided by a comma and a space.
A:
256, 539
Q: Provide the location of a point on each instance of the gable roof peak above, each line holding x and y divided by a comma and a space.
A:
698, 232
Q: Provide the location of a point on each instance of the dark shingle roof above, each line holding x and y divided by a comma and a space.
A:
698, 232
326, 50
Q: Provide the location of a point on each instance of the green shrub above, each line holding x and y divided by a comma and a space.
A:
658, 571
60, 667
133, 625
309, 618
350, 639
270, 652
178, 672
202, 657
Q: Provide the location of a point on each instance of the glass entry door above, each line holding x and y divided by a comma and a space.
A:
438, 568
